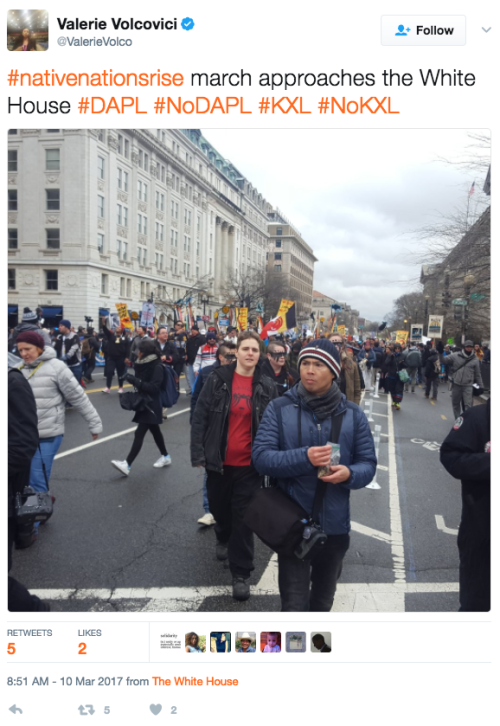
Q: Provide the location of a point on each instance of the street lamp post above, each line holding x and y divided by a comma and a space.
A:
468, 281
426, 314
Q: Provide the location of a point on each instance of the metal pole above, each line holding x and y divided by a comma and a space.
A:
377, 383
376, 441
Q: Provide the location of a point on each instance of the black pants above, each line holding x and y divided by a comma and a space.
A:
113, 364
140, 433
228, 497
434, 382
311, 584
20, 599
88, 367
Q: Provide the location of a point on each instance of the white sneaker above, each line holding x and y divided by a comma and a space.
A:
207, 519
122, 466
164, 413
163, 461
105, 390
120, 390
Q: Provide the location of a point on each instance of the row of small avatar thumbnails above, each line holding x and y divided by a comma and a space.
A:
269, 642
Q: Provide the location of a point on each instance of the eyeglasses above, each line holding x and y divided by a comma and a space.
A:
337, 343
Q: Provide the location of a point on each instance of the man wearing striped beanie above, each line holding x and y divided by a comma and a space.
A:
291, 446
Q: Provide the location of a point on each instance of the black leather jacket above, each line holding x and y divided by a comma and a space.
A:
210, 423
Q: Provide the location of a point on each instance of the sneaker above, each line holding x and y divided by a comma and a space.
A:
120, 390
164, 413
122, 466
433, 398
105, 390
207, 520
221, 551
413, 390
241, 588
426, 395
163, 461
397, 406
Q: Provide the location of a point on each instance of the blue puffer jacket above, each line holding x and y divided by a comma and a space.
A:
295, 473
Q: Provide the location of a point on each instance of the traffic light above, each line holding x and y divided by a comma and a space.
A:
446, 297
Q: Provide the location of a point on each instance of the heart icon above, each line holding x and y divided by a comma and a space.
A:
155, 708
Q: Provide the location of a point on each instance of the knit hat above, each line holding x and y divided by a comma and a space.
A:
29, 316
324, 351
211, 336
32, 338
66, 323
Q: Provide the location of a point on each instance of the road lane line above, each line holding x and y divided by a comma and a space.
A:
444, 417
370, 532
397, 543
440, 524
111, 436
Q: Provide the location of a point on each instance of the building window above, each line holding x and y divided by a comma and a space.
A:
52, 159
122, 179
104, 284
142, 224
122, 287
12, 132
277, 268
142, 255
174, 210
119, 248
159, 261
187, 243
124, 251
12, 165
142, 289
126, 149
129, 287
53, 237
187, 217
160, 201
210, 266
159, 231
211, 241
53, 199
125, 216
277, 255
279, 230
100, 167
12, 199
53, 131
12, 279
198, 249
101, 135
278, 243
12, 238
51, 280
100, 243
174, 236
142, 191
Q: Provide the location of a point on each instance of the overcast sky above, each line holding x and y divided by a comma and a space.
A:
356, 197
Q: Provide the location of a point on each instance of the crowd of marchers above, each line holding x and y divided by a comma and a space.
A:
276, 426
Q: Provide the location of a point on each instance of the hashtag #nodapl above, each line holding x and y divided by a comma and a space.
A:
99, 41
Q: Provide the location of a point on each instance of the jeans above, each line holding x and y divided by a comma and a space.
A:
49, 448
77, 372
310, 585
113, 364
228, 496
190, 376
206, 505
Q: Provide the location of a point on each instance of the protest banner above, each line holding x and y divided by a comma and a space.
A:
243, 318
401, 336
125, 321
417, 331
147, 315
435, 329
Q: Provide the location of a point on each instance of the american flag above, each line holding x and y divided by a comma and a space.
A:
472, 189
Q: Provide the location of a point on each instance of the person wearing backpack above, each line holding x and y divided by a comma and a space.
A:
413, 361
291, 444
432, 371
148, 379
465, 371
90, 347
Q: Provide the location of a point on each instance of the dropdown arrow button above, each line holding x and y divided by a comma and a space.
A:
487, 30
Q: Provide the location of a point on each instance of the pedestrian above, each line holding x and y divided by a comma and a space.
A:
29, 322
180, 340
367, 359
487, 354
117, 352
207, 354
168, 354
22, 444
226, 354
52, 383
394, 363
90, 349
413, 361
432, 371
225, 422
192, 345
67, 347
466, 455
142, 332
147, 380
465, 370
276, 368
479, 352
232, 334
292, 449
349, 380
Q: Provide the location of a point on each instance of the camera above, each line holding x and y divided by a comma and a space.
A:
313, 538
31, 506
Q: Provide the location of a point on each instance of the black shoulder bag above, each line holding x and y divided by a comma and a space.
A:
279, 521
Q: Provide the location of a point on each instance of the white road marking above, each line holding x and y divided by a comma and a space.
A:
384, 415
111, 436
369, 532
440, 524
350, 597
397, 543
382, 467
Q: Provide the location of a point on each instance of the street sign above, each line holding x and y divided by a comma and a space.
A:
477, 296
459, 301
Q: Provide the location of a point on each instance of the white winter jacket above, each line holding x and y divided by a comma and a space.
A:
53, 384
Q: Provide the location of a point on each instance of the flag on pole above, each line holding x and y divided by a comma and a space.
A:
472, 189
332, 326
272, 327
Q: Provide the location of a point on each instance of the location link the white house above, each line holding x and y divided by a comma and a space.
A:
97, 217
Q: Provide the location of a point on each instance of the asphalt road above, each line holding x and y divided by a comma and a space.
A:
133, 544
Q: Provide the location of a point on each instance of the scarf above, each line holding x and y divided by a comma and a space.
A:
322, 406
147, 359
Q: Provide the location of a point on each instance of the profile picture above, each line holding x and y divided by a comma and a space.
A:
246, 642
27, 30
220, 642
195, 643
295, 642
270, 642
321, 643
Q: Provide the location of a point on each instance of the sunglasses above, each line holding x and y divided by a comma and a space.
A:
277, 356
230, 357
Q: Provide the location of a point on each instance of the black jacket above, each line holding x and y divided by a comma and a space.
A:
148, 379
200, 381
393, 364
64, 344
430, 372
116, 346
284, 381
22, 433
192, 345
210, 423
169, 350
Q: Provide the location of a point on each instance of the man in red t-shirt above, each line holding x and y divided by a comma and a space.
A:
225, 421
